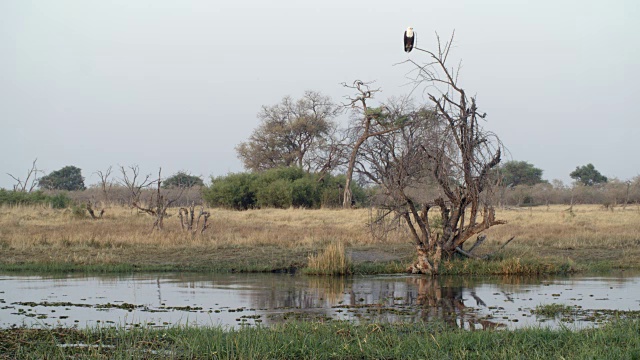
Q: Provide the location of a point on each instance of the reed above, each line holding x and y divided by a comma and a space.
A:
332, 260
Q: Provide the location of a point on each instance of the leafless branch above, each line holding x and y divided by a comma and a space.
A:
30, 182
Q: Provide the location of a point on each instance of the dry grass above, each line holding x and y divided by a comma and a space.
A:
332, 260
272, 238
587, 233
248, 240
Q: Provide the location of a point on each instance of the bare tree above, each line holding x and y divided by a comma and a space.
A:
159, 204
134, 182
330, 154
458, 156
30, 182
105, 184
373, 122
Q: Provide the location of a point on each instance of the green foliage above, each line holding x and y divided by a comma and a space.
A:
588, 175
516, 173
182, 180
304, 193
275, 194
235, 191
59, 201
554, 310
68, 178
278, 188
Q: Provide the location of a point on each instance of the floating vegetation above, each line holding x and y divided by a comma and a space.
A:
553, 310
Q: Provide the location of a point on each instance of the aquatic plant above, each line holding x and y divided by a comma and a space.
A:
332, 260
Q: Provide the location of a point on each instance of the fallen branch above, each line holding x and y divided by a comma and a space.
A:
479, 240
484, 257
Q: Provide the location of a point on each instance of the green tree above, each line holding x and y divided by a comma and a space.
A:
516, 173
68, 178
588, 175
182, 180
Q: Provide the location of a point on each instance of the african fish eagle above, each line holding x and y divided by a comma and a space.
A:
409, 39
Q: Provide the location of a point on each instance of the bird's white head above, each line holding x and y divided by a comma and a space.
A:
409, 31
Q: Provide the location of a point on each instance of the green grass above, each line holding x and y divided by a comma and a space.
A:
553, 310
282, 262
335, 340
375, 268
61, 268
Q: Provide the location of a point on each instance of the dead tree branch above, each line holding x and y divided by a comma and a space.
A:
187, 217
30, 182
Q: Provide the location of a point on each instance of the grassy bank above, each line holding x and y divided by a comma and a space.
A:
335, 340
548, 240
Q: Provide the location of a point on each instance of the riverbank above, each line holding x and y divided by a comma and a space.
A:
619, 339
548, 240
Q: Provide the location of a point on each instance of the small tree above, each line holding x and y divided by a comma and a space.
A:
588, 175
516, 173
182, 180
105, 184
68, 178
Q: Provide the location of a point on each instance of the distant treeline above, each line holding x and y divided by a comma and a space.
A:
607, 194
274, 188
293, 187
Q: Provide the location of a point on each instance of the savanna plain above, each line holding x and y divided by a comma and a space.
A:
548, 240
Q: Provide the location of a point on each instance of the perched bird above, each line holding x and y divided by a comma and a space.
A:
409, 39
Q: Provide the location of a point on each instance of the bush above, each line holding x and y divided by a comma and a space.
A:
235, 191
304, 193
59, 201
78, 211
276, 194
280, 188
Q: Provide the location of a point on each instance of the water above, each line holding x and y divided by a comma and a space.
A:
248, 299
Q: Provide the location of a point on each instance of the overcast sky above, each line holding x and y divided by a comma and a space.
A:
178, 84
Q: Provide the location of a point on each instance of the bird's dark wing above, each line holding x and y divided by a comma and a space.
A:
406, 41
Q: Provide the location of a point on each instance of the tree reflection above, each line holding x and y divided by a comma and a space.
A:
445, 302
407, 299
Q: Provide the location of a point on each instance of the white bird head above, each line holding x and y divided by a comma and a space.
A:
409, 31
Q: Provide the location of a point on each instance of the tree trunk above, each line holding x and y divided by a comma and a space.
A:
347, 197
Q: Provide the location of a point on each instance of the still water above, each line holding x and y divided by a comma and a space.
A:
236, 300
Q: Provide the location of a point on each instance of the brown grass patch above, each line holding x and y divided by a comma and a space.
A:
274, 238
332, 260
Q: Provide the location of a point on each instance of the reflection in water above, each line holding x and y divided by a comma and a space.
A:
237, 299
447, 303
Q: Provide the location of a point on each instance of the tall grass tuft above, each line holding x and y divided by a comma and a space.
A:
332, 260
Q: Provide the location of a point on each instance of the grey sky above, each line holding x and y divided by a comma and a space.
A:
178, 84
